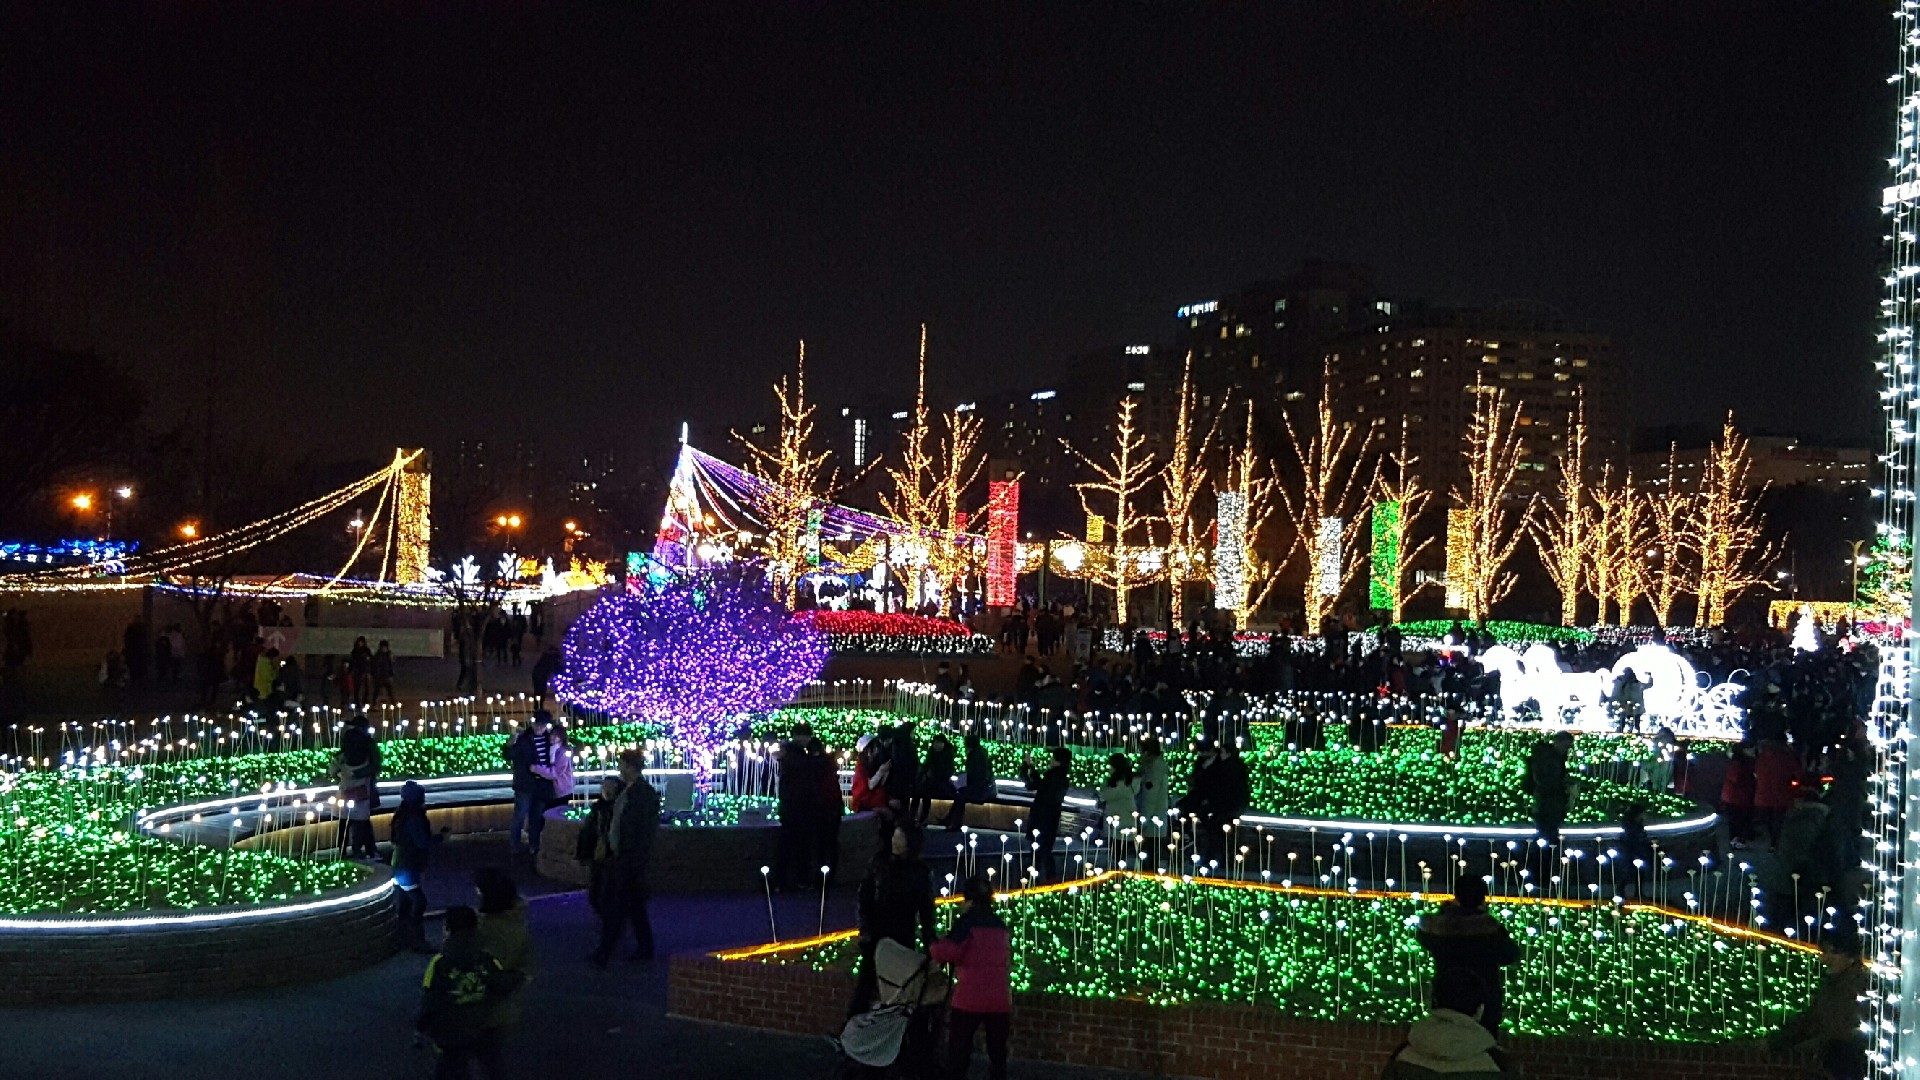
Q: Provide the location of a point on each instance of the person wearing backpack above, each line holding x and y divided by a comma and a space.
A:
460, 1000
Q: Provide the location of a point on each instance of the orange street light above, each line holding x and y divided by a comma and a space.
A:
189, 530
82, 501
513, 521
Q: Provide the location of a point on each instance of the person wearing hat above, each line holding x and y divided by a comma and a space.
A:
413, 844
869, 791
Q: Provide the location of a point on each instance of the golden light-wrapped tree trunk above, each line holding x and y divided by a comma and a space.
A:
801, 483
1671, 576
1562, 533
1723, 529
1490, 530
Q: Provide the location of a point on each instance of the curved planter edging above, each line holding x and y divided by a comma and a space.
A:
195, 953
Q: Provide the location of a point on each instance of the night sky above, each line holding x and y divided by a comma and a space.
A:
590, 223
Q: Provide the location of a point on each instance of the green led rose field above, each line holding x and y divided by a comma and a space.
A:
1406, 781
67, 834
720, 809
1505, 631
1587, 970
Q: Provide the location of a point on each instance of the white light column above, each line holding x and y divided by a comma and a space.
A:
1890, 906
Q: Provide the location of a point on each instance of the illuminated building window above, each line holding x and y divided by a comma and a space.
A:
1417, 373
859, 441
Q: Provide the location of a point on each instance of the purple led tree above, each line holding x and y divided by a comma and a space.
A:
691, 653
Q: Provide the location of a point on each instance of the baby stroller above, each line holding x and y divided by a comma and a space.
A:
898, 1036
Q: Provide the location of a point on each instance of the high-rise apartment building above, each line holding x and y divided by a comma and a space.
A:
1420, 372
1267, 339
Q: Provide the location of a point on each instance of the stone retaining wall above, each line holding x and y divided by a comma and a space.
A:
1208, 1040
79, 962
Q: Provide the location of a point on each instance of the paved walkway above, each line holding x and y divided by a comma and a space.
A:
580, 1021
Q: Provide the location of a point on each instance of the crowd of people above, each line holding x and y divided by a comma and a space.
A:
472, 990
1796, 787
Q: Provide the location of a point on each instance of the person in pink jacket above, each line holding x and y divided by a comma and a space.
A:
981, 952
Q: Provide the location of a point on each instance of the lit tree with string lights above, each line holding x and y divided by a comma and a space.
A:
915, 500
1627, 524
1123, 477
1669, 577
800, 480
1724, 528
1332, 488
1183, 478
1398, 504
952, 553
696, 653
1490, 530
1242, 579
1561, 532
1602, 557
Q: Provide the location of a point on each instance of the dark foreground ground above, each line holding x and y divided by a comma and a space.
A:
579, 1021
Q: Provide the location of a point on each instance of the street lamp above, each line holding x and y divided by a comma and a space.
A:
508, 523
189, 530
123, 493
1854, 564
82, 502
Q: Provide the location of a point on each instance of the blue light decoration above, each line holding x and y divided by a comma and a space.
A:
107, 554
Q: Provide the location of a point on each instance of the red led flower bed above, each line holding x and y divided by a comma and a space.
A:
885, 633
878, 622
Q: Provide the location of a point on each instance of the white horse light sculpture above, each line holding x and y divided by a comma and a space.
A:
1676, 694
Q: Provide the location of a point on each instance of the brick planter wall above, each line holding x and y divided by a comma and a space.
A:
100, 963
1206, 1040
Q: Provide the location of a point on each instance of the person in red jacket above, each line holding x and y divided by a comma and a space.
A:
869, 790
981, 952
1736, 795
1774, 773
